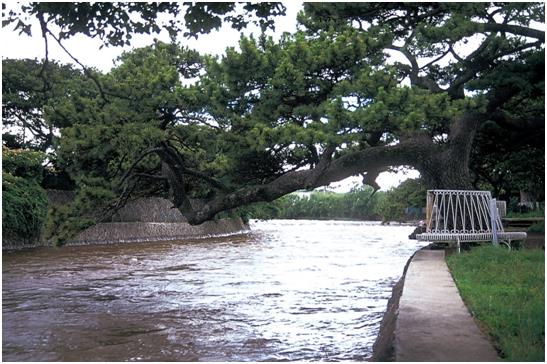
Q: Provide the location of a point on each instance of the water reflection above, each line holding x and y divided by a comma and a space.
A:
290, 290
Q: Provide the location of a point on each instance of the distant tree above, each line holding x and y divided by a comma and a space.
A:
411, 192
30, 91
358, 204
392, 204
362, 203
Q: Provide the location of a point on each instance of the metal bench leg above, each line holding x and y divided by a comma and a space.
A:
458, 245
507, 243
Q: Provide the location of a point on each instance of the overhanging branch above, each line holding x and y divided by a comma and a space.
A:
513, 29
404, 153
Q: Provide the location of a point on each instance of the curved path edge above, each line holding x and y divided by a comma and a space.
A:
383, 348
426, 319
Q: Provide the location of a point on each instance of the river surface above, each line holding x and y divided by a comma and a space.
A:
287, 290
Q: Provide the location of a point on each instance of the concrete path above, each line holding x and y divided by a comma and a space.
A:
433, 323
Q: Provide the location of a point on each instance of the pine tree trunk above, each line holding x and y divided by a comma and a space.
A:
448, 169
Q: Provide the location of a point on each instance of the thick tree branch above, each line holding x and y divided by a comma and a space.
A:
136, 161
370, 176
176, 181
414, 69
151, 176
210, 180
444, 54
42, 74
475, 63
355, 163
418, 151
179, 165
513, 29
462, 133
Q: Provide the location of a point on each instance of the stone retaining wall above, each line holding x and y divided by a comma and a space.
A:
149, 209
124, 232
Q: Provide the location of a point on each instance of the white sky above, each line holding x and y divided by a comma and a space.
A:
89, 53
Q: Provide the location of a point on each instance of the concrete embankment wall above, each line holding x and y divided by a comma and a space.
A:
153, 219
125, 232
427, 320
145, 219
383, 348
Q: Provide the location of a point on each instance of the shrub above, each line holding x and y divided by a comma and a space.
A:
24, 202
538, 227
23, 163
24, 208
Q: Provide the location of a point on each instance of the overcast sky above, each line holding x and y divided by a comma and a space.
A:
89, 53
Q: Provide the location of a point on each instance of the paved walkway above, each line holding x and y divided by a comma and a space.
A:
433, 322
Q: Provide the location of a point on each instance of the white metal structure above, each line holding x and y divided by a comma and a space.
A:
468, 216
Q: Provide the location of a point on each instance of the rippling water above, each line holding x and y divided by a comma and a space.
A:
288, 290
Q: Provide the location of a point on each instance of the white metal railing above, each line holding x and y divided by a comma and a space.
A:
463, 215
460, 211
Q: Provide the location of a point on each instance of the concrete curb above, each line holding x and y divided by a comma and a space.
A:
433, 323
383, 348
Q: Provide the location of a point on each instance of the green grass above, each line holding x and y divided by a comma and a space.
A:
505, 291
533, 213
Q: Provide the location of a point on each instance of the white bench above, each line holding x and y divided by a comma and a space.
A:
455, 216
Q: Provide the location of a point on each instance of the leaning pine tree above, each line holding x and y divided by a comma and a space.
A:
364, 87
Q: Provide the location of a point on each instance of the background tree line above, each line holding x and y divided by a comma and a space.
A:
403, 203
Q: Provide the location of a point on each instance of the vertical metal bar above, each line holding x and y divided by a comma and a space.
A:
484, 208
445, 209
429, 210
493, 219
438, 210
466, 209
460, 215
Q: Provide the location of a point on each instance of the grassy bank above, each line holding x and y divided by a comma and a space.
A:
506, 292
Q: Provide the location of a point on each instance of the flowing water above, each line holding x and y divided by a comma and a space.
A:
287, 290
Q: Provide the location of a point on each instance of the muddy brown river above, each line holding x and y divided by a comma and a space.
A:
287, 290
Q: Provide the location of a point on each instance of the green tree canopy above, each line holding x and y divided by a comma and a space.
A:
30, 91
115, 23
315, 107
509, 150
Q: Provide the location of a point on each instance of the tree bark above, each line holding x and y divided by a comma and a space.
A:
449, 169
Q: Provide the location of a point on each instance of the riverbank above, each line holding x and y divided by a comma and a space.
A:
383, 348
147, 219
426, 320
140, 232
